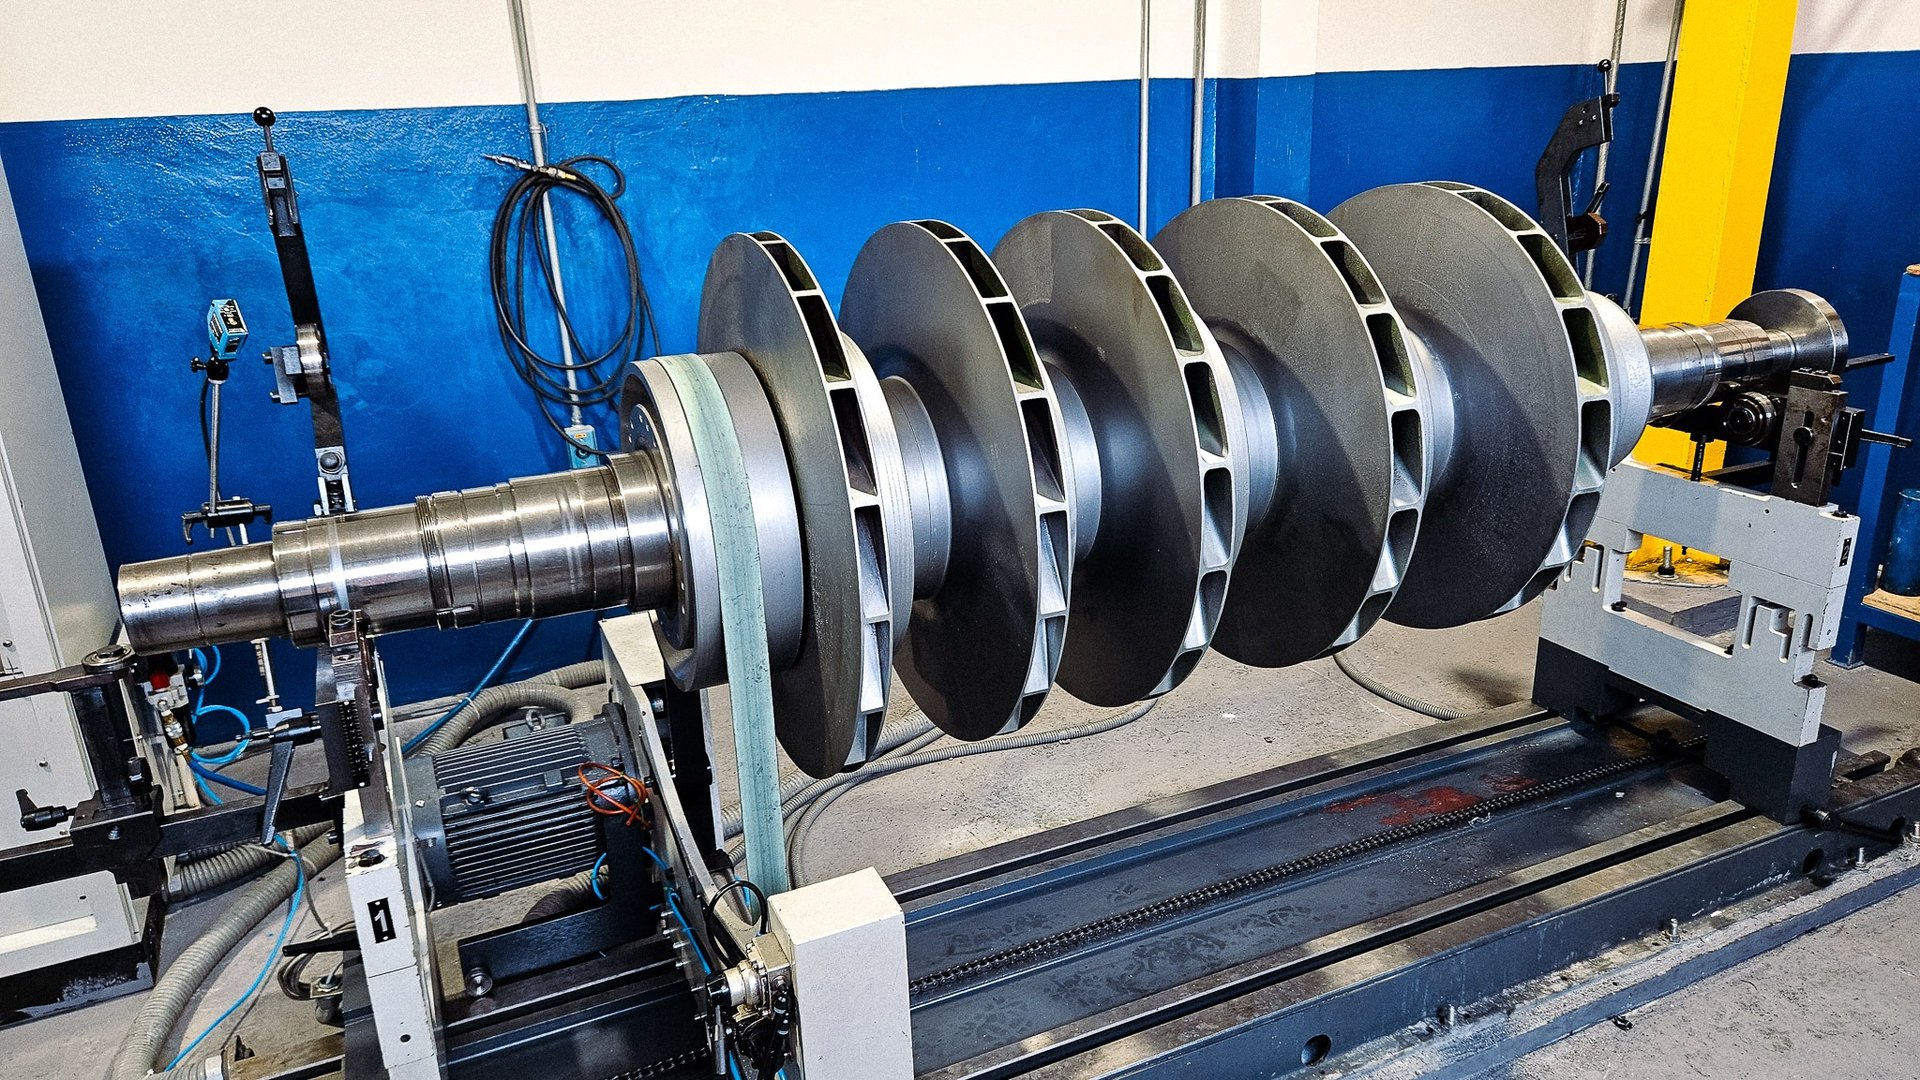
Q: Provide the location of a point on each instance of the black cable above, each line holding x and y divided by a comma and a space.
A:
724, 949
740, 883
206, 432
598, 375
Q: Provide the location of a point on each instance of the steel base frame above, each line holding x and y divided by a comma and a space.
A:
1347, 974
1584, 872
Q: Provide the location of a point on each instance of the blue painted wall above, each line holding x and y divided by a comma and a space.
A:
1843, 215
132, 225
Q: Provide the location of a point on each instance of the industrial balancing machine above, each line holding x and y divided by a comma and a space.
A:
1083, 459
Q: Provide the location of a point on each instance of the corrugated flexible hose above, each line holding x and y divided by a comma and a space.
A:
174, 989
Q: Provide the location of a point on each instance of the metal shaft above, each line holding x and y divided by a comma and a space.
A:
545, 545
1691, 363
1768, 334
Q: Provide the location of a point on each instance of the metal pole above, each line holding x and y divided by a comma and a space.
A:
1644, 221
523, 53
1612, 81
213, 446
1146, 37
1200, 95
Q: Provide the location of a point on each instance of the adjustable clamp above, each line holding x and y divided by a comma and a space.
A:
1585, 125
287, 736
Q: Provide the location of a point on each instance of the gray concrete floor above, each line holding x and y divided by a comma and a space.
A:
1832, 1005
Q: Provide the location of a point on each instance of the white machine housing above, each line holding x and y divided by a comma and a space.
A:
56, 605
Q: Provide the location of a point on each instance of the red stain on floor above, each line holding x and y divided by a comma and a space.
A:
1509, 782
1409, 807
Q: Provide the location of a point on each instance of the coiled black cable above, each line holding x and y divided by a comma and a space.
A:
597, 373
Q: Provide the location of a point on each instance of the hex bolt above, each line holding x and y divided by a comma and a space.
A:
479, 983
1912, 835
1450, 1014
1666, 561
1860, 857
1673, 929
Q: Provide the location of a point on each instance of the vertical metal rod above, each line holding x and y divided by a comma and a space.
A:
537, 132
1200, 96
1146, 107
263, 660
1644, 220
213, 446
1612, 82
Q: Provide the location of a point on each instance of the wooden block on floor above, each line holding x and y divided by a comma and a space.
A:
1908, 606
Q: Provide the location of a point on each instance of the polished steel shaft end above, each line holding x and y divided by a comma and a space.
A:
544, 545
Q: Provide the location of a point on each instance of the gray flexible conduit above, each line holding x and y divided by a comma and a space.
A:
572, 894
834, 787
496, 703
215, 870
795, 786
1388, 693
174, 990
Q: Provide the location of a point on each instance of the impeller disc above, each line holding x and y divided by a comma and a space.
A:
1164, 429
761, 301
929, 310
1339, 471
1511, 347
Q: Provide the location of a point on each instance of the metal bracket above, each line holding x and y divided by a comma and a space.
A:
301, 369
1789, 563
1585, 125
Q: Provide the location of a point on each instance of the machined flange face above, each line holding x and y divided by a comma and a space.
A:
1503, 325
1339, 470
761, 301
655, 421
932, 313
1126, 349
1819, 336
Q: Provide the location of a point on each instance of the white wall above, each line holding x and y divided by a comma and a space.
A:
99, 58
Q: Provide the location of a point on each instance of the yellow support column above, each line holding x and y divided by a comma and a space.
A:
1729, 80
